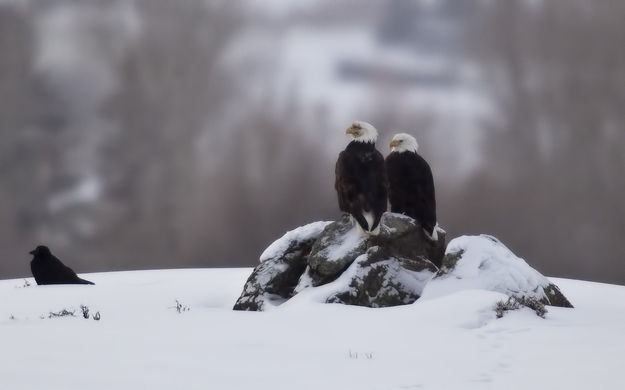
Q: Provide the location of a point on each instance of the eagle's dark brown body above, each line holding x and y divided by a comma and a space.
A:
361, 183
411, 188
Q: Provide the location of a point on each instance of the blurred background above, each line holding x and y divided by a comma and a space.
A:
160, 134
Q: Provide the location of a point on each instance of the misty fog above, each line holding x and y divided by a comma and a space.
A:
158, 134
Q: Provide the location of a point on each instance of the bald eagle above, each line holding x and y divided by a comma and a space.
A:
361, 183
411, 185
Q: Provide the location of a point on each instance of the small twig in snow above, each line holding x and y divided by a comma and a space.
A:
180, 307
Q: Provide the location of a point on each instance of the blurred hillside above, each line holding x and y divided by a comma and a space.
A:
151, 134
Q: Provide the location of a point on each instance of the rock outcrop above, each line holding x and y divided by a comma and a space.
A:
397, 266
387, 269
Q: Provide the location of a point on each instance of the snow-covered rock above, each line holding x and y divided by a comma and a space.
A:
282, 264
484, 263
337, 247
292, 239
404, 237
377, 279
392, 266
341, 243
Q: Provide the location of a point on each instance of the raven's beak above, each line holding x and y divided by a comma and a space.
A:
32, 252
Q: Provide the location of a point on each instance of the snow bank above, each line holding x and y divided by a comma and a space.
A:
451, 342
483, 262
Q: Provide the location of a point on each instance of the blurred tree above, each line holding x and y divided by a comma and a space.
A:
150, 140
172, 87
30, 120
554, 158
179, 201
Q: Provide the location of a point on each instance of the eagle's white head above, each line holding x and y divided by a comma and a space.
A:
362, 132
403, 142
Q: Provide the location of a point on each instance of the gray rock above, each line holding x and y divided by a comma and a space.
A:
342, 242
282, 264
337, 247
305, 281
404, 237
377, 279
554, 297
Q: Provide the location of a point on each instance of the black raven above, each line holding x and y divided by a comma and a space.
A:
47, 269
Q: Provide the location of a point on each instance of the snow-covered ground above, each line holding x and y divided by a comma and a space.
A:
448, 342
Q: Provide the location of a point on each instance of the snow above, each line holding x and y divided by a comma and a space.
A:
308, 295
452, 341
347, 243
487, 264
302, 233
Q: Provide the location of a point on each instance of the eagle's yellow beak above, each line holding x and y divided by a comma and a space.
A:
350, 130
394, 143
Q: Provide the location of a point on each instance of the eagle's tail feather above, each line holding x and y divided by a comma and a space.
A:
376, 222
431, 232
370, 218
360, 219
